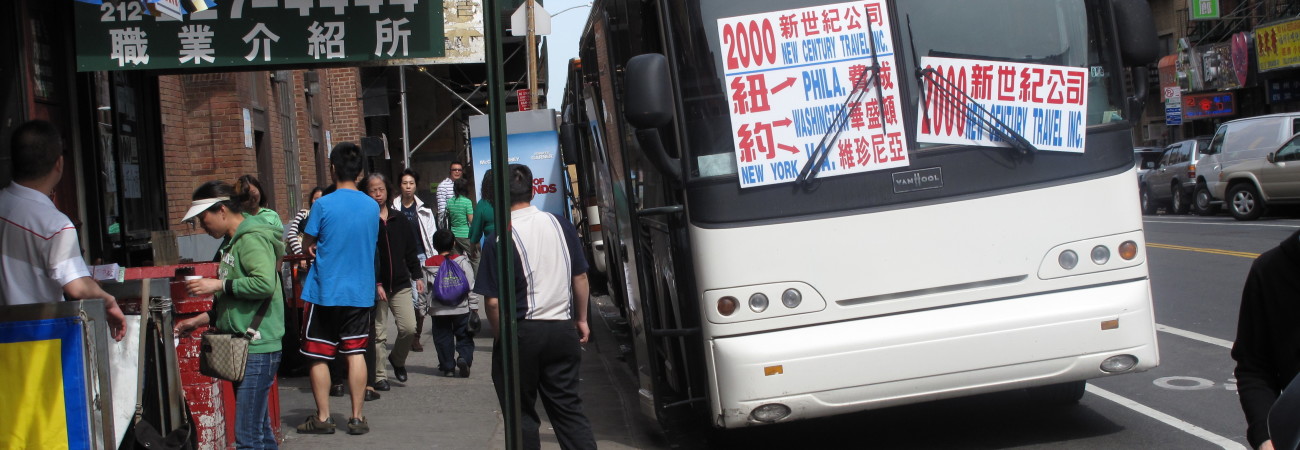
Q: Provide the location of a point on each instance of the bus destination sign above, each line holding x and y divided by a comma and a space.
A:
791, 74
1047, 105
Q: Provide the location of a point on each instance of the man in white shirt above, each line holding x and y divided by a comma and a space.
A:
551, 294
447, 190
41, 255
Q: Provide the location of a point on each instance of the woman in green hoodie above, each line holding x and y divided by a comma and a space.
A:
247, 281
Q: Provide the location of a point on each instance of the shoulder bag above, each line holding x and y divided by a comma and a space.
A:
224, 355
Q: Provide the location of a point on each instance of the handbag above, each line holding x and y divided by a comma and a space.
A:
224, 355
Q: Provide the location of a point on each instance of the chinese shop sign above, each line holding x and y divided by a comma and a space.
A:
791, 77
122, 36
1278, 46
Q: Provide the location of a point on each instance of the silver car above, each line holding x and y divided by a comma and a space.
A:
1254, 184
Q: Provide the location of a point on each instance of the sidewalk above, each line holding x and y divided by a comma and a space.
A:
430, 411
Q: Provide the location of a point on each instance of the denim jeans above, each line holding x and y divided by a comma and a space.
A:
252, 402
451, 336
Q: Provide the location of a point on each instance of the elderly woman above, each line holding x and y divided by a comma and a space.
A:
247, 285
398, 272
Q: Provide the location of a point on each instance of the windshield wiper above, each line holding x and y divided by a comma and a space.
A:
841, 121
954, 94
837, 126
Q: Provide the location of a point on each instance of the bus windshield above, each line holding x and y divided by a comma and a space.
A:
1053, 32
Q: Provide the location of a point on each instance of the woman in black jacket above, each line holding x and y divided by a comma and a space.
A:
399, 276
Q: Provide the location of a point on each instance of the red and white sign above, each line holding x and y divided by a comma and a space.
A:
525, 100
789, 77
1048, 105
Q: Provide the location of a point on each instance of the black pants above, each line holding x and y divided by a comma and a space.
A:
549, 359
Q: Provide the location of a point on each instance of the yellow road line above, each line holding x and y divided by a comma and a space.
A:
1205, 250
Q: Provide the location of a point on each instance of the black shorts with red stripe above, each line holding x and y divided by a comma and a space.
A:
333, 330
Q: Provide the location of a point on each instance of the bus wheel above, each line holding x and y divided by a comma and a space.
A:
1059, 394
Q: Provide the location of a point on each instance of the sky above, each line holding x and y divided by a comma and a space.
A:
562, 44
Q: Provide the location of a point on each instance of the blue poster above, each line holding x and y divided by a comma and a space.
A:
540, 151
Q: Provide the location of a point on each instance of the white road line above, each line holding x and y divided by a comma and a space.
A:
1231, 224
1194, 335
1167, 419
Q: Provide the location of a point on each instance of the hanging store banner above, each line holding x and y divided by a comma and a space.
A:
793, 88
1047, 105
122, 36
1204, 9
1213, 68
1278, 46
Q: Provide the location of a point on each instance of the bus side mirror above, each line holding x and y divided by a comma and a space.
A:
1138, 44
649, 91
569, 144
649, 106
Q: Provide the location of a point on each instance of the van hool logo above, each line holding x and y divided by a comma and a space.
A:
918, 180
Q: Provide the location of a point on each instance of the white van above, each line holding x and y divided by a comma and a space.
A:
1226, 175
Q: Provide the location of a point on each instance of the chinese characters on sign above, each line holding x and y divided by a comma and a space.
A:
1045, 104
1278, 46
789, 75
122, 36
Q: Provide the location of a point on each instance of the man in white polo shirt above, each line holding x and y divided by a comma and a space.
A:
40, 256
551, 291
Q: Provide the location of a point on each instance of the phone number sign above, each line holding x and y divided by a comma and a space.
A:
123, 36
789, 77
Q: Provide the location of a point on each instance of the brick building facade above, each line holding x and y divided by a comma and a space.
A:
293, 118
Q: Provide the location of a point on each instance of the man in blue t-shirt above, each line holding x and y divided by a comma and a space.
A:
341, 233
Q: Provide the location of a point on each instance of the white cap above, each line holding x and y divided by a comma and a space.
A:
198, 206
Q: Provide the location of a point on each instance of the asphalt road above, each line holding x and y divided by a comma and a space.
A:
1197, 265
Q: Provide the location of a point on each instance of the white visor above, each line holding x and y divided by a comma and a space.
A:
198, 206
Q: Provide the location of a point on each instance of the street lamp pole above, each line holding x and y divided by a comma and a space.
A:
532, 56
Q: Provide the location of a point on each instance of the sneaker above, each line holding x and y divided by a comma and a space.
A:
315, 426
358, 426
448, 373
462, 368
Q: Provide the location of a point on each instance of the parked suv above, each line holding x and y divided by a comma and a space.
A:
1145, 159
1173, 180
1233, 172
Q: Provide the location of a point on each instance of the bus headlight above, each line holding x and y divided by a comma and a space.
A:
1100, 254
791, 298
727, 305
1068, 259
758, 302
770, 412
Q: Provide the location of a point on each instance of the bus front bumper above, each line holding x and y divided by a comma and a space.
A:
906, 358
